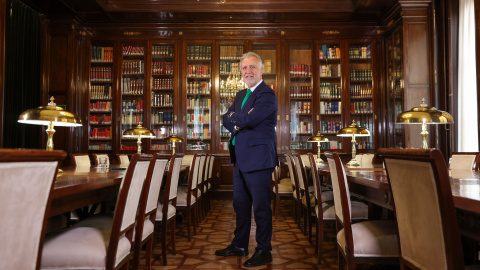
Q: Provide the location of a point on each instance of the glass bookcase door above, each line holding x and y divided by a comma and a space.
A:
230, 79
162, 94
395, 88
198, 97
330, 93
361, 90
132, 90
100, 98
300, 95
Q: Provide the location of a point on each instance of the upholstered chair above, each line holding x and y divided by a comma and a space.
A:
280, 190
427, 225
101, 242
307, 201
147, 211
464, 161
372, 241
81, 160
209, 182
26, 180
166, 210
297, 203
123, 160
98, 159
187, 199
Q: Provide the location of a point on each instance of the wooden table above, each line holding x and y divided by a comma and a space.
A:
79, 187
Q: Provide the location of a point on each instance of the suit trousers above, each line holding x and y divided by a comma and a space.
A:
252, 189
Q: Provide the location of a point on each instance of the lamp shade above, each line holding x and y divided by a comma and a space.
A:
43, 115
137, 132
353, 129
317, 138
173, 139
424, 114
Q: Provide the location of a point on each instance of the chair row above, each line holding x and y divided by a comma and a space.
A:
83, 160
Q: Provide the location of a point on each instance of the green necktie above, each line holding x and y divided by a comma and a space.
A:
249, 92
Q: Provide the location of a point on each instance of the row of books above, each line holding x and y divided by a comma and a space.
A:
159, 147
101, 74
162, 51
368, 124
102, 54
330, 70
162, 118
162, 68
129, 147
300, 70
132, 67
300, 145
360, 74
132, 106
300, 127
100, 146
364, 145
199, 103
101, 119
361, 91
330, 126
162, 132
198, 146
198, 118
361, 107
198, 88
101, 106
162, 84
100, 91
231, 52
359, 51
199, 132
202, 71
224, 145
301, 107
330, 107
101, 133
329, 52
133, 50
132, 119
300, 91
162, 100
330, 90
132, 86
202, 52
229, 67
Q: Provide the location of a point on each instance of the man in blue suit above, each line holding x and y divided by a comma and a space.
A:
252, 119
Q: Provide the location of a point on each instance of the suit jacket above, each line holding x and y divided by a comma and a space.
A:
255, 143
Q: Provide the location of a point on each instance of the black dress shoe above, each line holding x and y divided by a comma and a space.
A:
259, 258
232, 250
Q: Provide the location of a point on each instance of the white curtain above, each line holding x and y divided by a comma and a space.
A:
467, 122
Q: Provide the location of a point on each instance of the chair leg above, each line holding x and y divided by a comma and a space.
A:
319, 240
136, 255
194, 218
305, 220
172, 229
164, 241
148, 254
189, 236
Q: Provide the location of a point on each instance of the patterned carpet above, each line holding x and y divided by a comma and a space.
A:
291, 249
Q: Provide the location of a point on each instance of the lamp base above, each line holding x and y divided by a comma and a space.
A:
353, 163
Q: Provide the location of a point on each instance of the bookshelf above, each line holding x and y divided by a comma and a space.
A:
330, 93
100, 97
230, 79
300, 102
198, 70
162, 85
132, 88
361, 92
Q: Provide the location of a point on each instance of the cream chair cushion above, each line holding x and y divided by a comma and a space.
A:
462, 162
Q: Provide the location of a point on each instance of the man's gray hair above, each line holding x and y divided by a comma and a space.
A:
251, 54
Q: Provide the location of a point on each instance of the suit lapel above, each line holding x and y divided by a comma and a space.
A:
253, 95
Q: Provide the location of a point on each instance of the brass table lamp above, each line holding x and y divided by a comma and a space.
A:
318, 138
50, 116
138, 132
354, 130
173, 139
424, 115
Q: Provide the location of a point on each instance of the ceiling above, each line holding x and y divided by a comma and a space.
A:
214, 11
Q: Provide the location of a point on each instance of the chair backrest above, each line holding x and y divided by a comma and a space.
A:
302, 178
26, 180
187, 160
341, 198
210, 167
81, 160
367, 160
193, 178
464, 161
427, 224
316, 179
207, 167
293, 178
173, 176
201, 173
123, 160
98, 159
127, 205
